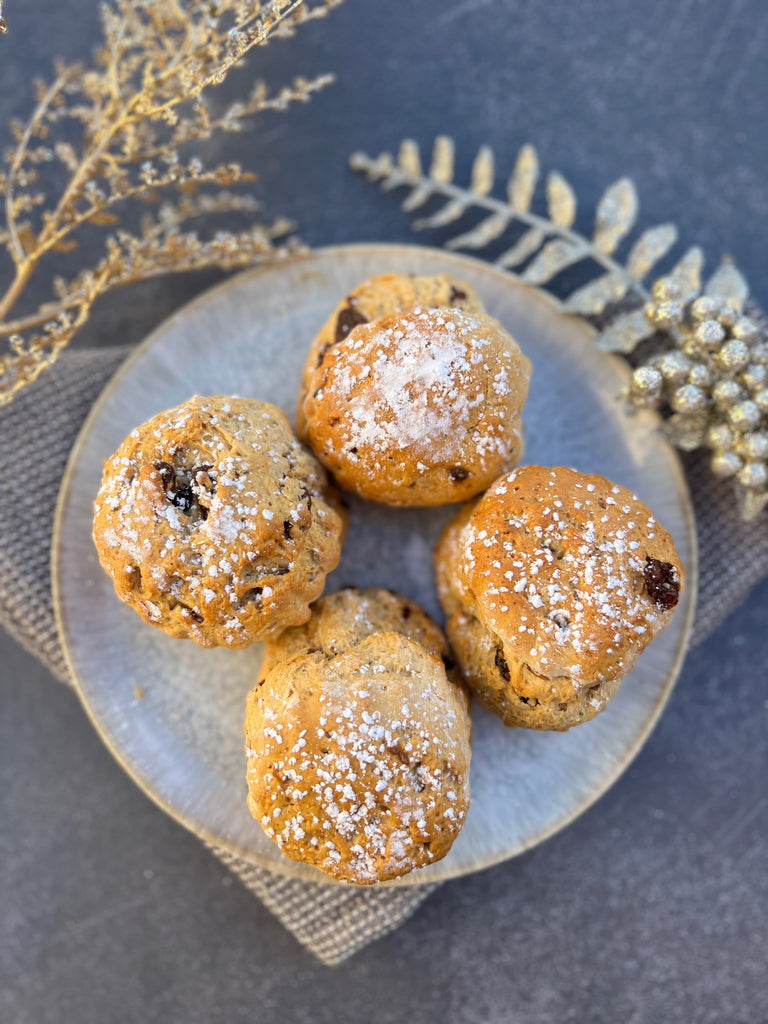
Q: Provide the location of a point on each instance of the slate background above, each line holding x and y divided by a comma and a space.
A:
652, 907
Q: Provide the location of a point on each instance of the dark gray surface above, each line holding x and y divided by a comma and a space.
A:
653, 906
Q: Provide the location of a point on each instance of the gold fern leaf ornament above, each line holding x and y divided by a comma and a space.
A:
541, 245
710, 378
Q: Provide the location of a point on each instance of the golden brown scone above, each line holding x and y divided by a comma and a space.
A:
358, 743
420, 408
216, 524
552, 584
377, 297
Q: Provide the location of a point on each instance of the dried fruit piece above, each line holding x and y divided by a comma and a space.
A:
661, 582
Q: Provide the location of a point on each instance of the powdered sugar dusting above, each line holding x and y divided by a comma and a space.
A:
359, 762
554, 563
434, 386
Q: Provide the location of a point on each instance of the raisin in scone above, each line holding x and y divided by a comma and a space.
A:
553, 583
420, 408
358, 739
377, 297
215, 524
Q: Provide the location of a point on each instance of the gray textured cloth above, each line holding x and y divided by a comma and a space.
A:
37, 431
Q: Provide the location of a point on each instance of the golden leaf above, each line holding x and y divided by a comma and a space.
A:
379, 168
728, 286
60, 288
418, 196
26, 236
525, 246
522, 183
481, 234
561, 201
686, 275
482, 172
615, 217
26, 202
104, 219
592, 298
450, 212
650, 247
408, 158
554, 257
625, 332
442, 160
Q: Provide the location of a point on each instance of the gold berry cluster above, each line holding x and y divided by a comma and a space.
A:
714, 384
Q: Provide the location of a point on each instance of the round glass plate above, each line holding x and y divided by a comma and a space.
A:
172, 714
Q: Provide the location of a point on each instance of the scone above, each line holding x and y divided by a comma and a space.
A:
358, 739
216, 524
377, 297
552, 584
419, 408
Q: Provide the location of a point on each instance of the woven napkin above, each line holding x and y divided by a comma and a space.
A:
38, 429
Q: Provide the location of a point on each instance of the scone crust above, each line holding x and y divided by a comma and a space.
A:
377, 297
358, 744
421, 408
549, 587
344, 618
215, 524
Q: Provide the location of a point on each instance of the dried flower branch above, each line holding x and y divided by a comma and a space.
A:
141, 102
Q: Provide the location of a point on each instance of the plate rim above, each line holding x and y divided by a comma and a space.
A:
284, 866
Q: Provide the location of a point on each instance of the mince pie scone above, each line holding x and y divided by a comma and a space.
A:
216, 524
357, 737
553, 584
